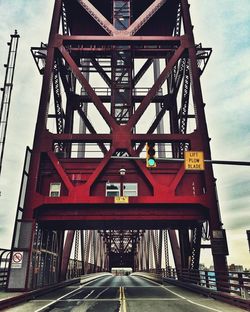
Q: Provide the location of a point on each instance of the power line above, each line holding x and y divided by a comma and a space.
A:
216, 162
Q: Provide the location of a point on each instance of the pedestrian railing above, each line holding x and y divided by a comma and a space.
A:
237, 283
4, 266
230, 287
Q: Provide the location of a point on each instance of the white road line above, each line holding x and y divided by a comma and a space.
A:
190, 301
55, 301
88, 294
184, 298
100, 293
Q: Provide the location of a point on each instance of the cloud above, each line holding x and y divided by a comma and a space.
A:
32, 20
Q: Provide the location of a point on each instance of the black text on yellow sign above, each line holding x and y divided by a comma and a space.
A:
121, 200
194, 160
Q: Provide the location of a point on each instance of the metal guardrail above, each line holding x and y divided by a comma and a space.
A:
78, 268
237, 283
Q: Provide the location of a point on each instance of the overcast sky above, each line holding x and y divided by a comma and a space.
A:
221, 24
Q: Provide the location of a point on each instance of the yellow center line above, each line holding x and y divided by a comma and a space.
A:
122, 299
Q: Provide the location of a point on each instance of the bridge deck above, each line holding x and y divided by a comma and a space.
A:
124, 294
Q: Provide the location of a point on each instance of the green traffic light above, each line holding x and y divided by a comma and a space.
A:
151, 162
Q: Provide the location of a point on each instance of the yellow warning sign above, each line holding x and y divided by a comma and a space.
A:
121, 200
194, 160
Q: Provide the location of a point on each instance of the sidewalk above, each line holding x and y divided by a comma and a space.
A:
6, 295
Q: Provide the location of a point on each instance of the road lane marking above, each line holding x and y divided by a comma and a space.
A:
100, 293
122, 300
57, 300
120, 291
114, 300
184, 298
88, 294
190, 301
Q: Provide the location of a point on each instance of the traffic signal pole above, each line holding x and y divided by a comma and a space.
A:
211, 161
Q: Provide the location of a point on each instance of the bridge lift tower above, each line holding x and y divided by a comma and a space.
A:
106, 66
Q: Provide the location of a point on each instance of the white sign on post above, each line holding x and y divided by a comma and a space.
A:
17, 260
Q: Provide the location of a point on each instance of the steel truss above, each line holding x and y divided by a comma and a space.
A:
100, 60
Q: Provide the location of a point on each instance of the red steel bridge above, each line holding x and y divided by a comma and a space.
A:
120, 77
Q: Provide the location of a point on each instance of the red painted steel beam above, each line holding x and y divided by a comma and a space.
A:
162, 138
168, 196
136, 99
101, 20
79, 138
152, 92
100, 167
42, 112
91, 129
60, 171
220, 261
142, 71
99, 105
134, 40
144, 17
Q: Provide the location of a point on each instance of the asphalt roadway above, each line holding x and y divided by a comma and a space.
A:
123, 294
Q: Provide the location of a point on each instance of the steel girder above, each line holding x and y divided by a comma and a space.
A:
120, 40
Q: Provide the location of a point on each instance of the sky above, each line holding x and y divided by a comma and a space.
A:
222, 25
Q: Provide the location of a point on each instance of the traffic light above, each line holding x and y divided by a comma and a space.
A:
150, 155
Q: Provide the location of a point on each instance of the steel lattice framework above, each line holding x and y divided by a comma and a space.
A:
118, 74
7, 90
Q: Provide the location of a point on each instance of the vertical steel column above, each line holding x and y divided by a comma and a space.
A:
158, 108
122, 64
196, 247
43, 110
184, 248
160, 250
166, 251
76, 253
142, 254
220, 261
152, 250
86, 250
82, 125
82, 246
148, 253
66, 253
